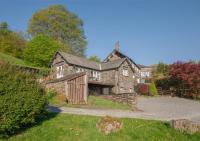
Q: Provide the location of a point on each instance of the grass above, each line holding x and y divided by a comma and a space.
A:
19, 62
66, 127
11, 59
93, 102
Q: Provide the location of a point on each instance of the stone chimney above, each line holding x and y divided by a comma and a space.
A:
117, 46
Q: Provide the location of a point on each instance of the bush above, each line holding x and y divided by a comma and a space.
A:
22, 100
152, 89
142, 89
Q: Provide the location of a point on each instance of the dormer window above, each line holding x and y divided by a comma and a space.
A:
59, 71
125, 71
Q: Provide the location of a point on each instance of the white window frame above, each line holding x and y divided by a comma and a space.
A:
60, 71
96, 75
125, 71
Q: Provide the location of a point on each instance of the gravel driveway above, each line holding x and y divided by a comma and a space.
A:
166, 107
158, 108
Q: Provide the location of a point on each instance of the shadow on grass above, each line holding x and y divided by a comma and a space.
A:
50, 113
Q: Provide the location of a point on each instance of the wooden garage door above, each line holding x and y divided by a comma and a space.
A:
77, 90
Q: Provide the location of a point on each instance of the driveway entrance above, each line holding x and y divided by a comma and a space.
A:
166, 107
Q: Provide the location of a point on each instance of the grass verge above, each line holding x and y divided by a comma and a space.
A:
93, 102
66, 127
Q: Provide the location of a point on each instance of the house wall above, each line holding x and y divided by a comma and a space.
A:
58, 61
125, 84
108, 76
122, 84
68, 68
115, 56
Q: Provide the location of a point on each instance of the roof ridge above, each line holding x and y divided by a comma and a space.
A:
114, 60
79, 57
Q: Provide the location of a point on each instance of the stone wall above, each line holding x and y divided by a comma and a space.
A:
58, 61
185, 125
108, 76
125, 98
58, 87
125, 83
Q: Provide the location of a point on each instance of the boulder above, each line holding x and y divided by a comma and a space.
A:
109, 125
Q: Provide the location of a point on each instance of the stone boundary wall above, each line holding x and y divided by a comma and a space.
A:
59, 87
185, 125
125, 98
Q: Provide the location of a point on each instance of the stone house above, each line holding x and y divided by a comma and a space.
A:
117, 74
145, 73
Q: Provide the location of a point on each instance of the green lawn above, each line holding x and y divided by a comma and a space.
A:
11, 59
19, 62
93, 102
65, 127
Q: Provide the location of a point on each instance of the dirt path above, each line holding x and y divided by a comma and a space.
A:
158, 108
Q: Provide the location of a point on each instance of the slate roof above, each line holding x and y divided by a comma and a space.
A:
123, 55
67, 77
143, 66
75, 60
113, 64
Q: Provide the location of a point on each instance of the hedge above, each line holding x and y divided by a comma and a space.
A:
22, 100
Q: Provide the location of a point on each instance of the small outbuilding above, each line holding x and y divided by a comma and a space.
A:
73, 86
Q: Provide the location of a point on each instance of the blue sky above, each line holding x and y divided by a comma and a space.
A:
149, 31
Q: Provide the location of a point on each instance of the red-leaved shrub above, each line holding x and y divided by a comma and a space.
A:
142, 89
184, 77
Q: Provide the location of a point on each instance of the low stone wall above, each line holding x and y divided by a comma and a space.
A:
58, 87
126, 98
185, 125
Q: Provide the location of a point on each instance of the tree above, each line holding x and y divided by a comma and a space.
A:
3, 25
60, 24
11, 42
94, 58
40, 50
162, 68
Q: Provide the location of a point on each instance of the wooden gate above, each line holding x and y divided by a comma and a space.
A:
76, 89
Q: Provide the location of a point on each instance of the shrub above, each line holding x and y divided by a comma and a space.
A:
152, 89
142, 89
186, 76
22, 100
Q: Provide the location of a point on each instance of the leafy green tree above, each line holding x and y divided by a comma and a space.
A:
3, 25
40, 50
94, 58
11, 42
60, 24
162, 68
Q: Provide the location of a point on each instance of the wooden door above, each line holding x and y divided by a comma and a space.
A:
77, 90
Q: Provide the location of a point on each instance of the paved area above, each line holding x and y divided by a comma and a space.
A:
166, 107
157, 108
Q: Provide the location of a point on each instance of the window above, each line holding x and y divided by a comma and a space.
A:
60, 71
95, 75
77, 69
125, 71
98, 76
